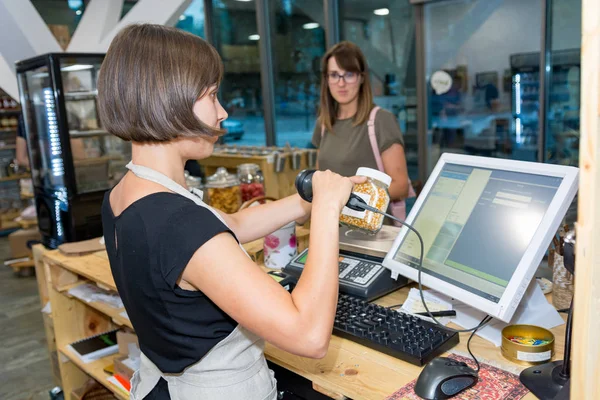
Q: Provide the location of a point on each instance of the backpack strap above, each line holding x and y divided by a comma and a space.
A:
373, 138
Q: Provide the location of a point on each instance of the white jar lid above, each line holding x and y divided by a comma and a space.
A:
375, 174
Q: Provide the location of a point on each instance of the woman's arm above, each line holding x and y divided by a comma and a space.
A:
301, 322
394, 164
257, 222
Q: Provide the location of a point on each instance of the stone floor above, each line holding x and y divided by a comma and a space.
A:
25, 372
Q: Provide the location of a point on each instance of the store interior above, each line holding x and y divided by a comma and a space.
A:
497, 79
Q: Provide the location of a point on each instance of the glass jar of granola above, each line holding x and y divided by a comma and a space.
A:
375, 193
224, 191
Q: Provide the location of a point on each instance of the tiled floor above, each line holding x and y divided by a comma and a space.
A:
24, 365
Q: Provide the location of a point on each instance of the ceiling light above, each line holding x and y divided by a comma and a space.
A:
244, 1
76, 67
254, 37
78, 12
310, 25
381, 11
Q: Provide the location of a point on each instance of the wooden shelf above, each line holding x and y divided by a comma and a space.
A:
13, 111
15, 177
111, 312
95, 369
9, 130
9, 147
89, 95
87, 133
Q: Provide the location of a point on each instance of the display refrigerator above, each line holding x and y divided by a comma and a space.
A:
525, 104
73, 160
562, 138
562, 124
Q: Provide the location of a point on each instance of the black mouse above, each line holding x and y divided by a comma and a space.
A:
443, 378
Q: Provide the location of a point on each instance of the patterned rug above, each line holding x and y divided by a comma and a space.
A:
494, 384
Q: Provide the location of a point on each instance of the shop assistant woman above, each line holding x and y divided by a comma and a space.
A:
341, 133
200, 307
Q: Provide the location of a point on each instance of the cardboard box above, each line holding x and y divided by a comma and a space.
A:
123, 340
122, 369
18, 242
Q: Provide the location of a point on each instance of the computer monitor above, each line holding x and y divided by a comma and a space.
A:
486, 224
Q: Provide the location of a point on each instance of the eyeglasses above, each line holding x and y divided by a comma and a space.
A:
348, 77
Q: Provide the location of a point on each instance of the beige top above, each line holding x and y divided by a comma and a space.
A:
348, 147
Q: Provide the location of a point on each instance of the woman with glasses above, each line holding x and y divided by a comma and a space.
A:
342, 132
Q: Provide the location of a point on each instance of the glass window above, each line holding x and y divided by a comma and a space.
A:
298, 46
236, 39
385, 32
562, 129
61, 16
482, 71
192, 19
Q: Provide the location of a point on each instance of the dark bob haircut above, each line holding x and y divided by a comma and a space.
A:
149, 81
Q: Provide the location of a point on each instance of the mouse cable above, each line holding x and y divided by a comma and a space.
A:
420, 268
483, 322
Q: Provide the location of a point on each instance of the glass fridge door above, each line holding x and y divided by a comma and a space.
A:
99, 158
45, 147
562, 137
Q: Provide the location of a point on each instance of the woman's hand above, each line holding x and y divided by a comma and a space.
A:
334, 189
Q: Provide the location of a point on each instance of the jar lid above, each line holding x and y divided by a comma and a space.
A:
375, 174
248, 168
222, 179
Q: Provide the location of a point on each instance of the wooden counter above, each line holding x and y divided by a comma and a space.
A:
348, 370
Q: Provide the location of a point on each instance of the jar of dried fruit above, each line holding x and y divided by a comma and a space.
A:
223, 191
375, 193
251, 181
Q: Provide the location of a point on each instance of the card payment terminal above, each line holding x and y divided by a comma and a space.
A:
361, 272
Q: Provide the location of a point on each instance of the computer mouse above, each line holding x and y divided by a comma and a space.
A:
443, 378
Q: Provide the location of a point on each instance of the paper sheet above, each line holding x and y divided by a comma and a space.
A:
89, 292
115, 382
533, 310
414, 304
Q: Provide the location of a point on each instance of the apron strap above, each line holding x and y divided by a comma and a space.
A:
154, 176
195, 194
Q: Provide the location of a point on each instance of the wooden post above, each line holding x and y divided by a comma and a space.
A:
586, 347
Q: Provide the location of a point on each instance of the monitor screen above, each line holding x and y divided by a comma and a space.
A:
477, 224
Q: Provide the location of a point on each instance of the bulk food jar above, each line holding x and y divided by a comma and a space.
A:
251, 181
223, 191
375, 193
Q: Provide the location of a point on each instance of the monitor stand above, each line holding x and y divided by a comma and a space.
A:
534, 309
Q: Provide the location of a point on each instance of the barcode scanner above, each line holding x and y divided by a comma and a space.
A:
304, 187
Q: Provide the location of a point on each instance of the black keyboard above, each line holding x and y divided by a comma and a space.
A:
397, 334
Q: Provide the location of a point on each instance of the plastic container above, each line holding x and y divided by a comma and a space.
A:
375, 193
223, 191
251, 181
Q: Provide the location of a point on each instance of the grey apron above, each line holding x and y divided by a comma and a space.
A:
235, 368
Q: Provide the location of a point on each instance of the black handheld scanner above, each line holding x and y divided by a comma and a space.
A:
304, 187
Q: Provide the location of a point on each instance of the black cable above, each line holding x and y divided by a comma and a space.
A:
365, 206
481, 324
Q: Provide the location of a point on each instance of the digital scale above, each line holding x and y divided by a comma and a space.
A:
361, 272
